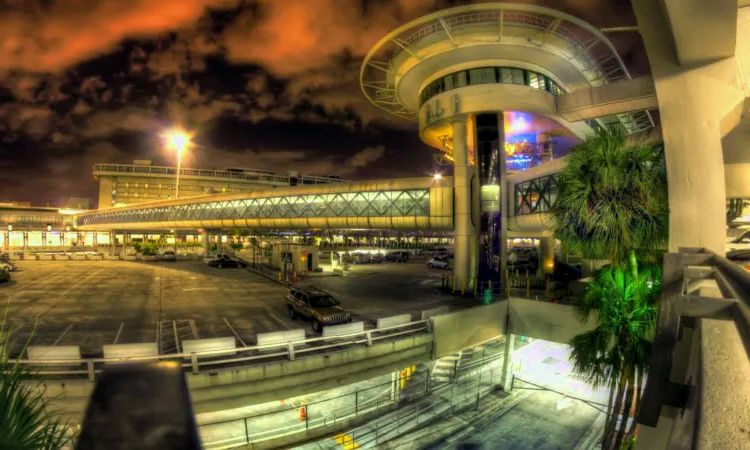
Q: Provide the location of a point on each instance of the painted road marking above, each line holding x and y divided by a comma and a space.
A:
202, 289
273, 316
345, 441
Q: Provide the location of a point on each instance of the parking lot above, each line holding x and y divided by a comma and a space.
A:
93, 303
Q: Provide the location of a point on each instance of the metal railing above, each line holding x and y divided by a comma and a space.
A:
701, 351
239, 356
119, 169
432, 401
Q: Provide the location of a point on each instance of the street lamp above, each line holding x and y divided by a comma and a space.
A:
437, 176
178, 140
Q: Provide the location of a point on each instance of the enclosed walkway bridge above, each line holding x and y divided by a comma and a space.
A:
399, 204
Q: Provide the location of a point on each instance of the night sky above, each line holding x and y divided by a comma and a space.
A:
264, 84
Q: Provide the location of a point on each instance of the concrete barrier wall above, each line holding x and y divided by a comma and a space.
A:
549, 321
468, 327
250, 385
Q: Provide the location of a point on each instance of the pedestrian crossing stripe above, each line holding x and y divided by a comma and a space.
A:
346, 442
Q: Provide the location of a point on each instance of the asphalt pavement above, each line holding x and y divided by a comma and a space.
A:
93, 303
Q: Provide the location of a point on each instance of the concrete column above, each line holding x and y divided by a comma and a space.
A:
112, 239
504, 199
96, 241
25, 241
507, 376
698, 104
464, 228
206, 238
546, 256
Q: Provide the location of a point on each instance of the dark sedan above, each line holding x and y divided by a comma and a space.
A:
225, 261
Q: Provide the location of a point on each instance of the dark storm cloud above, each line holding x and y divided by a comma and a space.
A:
272, 86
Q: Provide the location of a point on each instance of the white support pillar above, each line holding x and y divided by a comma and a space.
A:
698, 104
206, 238
464, 229
546, 256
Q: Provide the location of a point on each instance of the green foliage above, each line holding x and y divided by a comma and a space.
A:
613, 198
25, 422
236, 246
147, 248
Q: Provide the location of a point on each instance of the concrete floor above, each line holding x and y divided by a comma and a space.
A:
88, 303
541, 422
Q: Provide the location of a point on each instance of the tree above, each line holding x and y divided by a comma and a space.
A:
613, 204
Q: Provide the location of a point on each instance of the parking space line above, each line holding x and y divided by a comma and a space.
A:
62, 296
277, 320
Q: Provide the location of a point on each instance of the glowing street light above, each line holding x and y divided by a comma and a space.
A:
178, 140
437, 176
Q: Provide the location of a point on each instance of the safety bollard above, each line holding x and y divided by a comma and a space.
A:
528, 287
489, 286
546, 288
507, 289
280, 276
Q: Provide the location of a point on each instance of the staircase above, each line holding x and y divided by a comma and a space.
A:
444, 370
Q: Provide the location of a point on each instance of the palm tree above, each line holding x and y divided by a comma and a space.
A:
613, 201
613, 204
25, 421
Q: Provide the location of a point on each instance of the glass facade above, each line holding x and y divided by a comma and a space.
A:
413, 202
536, 196
487, 75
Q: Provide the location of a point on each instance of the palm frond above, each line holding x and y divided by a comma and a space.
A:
26, 422
612, 198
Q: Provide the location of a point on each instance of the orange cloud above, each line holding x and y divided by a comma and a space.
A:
294, 36
36, 38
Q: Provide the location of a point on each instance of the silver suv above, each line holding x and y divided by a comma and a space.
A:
316, 305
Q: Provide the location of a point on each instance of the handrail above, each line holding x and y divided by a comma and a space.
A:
292, 348
250, 176
681, 307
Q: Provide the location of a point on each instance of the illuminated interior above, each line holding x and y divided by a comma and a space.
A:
522, 150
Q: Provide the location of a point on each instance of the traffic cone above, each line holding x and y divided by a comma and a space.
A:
302, 414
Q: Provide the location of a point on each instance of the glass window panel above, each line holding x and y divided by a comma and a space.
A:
506, 75
461, 79
534, 80
448, 82
482, 76
517, 76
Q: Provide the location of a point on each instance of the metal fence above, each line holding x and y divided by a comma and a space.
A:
239, 356
464, 390
394, 407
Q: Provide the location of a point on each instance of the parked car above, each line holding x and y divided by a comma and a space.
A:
4, 275
523, 266
359, 258
377, 258
442, 251
150, 257
169, 256
317, 305
438, 263
5, 264
397, 256
442, 255
742, 242
740, 257
565, 273
226, 261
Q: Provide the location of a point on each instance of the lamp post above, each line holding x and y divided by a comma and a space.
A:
179, 141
